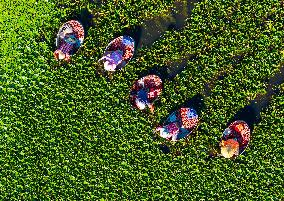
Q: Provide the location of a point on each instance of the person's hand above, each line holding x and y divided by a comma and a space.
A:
67, 57
59, 55
109, 66
151, 107
140, 83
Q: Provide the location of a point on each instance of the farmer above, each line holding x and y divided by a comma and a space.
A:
69, 39
235, 139
118, 53
145, 91
179, 124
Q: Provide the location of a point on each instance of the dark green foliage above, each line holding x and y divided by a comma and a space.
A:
68, 132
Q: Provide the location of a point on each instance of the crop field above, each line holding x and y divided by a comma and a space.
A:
68, 131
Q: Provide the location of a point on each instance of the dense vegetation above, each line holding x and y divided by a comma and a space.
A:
67, 131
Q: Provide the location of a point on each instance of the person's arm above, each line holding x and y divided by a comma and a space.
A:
174, 137
141, 83
183, 133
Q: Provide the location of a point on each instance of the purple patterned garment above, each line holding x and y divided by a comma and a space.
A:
118, 53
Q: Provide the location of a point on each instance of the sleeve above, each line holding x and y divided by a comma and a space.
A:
116, 44
127, 52
153, 83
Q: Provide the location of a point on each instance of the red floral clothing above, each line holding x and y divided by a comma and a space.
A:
77, 29
188, 118
152, 84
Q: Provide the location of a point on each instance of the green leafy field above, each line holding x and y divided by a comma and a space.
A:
67, 131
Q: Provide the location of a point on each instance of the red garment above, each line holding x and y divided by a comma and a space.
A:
188, 118
151, 83
77, 28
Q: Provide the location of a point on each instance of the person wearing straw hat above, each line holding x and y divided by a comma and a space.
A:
69, 38
118, 53
235, 139
179, 124
145, 92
